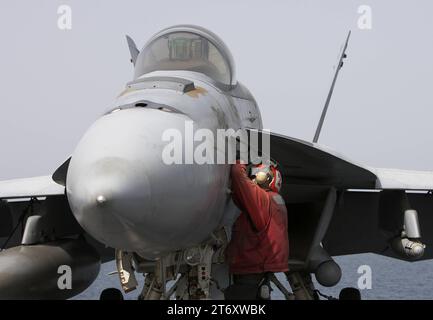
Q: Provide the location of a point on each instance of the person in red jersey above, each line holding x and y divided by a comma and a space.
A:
259, 245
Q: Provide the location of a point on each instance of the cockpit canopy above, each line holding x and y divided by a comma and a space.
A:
189, 48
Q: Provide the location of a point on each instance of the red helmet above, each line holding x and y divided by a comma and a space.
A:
267, 175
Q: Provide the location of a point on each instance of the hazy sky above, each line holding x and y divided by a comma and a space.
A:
54, 83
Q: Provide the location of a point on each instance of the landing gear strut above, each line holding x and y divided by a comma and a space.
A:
302, 285
190, 270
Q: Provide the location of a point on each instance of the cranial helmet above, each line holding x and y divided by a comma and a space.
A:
266, 175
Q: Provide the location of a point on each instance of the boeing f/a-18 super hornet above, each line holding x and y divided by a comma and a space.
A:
115, 199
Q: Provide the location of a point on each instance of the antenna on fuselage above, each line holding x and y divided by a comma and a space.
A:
132, 49
328, 99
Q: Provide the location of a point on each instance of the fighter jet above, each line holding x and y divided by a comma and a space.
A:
116, 199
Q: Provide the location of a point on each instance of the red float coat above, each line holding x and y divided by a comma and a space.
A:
260, 239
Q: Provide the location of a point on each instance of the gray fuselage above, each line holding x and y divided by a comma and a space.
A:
118, 186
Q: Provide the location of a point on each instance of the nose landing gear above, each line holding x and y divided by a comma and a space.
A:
189, 271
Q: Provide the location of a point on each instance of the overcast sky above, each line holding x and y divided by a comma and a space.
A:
54, 83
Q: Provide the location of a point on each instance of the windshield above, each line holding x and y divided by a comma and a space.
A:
182, 50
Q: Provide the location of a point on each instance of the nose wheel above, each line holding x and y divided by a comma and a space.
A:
350, 294
111, 294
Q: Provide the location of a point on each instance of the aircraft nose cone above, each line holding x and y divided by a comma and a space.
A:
108, 195
108, 177
125, 196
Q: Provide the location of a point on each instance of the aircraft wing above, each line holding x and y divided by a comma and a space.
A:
309, 163
359, 224
30, 188
19, 191
14, 198
403, 179
369, 206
